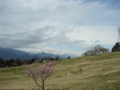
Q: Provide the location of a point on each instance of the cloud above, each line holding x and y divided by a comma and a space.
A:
89, 47
48, 49
35, 14
92, 34
27, 24
49, 35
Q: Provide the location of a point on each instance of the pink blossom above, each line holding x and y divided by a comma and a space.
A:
42, 71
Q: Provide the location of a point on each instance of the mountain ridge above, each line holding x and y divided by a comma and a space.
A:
9, 53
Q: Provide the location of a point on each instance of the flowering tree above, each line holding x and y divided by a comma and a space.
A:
42, 71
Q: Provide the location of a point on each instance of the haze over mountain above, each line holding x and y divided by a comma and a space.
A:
8, 53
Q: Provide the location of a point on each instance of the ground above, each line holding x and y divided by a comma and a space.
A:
98, 73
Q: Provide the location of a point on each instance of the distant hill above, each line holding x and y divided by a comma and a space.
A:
8, 53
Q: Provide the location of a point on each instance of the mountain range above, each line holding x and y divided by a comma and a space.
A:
9, 53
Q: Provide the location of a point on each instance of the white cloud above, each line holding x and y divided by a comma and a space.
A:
106, 35
48, 49
33, 25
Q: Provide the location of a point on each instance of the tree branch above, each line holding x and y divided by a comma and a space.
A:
36, 81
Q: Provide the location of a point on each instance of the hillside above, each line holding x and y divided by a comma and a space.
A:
99, 73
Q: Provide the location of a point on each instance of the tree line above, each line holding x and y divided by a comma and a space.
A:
19, 62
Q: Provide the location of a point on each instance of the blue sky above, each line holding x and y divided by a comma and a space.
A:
59, 26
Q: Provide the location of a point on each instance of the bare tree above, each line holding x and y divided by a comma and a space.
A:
98, 50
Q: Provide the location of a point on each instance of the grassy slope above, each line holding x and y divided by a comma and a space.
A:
99, 73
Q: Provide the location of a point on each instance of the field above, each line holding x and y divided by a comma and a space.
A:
98, 73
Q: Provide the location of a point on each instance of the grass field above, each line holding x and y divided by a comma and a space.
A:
99, 73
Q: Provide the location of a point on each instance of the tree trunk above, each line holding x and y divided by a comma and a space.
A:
43, 85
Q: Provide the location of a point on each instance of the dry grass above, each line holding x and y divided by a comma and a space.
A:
99, 73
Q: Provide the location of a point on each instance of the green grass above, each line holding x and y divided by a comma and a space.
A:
99, 73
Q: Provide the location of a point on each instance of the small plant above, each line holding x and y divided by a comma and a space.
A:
42, 71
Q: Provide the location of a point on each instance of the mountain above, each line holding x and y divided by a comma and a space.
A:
8, 53
43, 55
71, 56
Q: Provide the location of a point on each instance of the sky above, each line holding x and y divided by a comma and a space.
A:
59, 26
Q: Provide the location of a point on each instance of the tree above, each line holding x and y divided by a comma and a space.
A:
1, 62
36, 57
68, 57
42, 60
18, 61
33, 59
7, 63
29, 61
52, 59
96, 51
116, 47
42, 71
14, 63
11, 61
57, 57
104, 50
